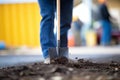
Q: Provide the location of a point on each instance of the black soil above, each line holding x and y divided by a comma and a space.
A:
63, 69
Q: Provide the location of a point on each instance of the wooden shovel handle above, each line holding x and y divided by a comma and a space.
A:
58, 20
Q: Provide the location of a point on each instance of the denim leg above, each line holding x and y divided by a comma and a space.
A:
66, 18
106, 33
47, 38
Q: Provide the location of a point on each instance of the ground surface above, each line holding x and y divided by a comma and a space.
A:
72, 70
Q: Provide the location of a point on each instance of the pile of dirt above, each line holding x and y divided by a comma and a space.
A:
63, 69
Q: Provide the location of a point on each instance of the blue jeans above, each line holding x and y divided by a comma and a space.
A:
48, 10
106, 33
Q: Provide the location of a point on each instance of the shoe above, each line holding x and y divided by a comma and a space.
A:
47, 61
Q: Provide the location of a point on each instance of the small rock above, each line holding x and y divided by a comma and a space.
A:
70, 69
76, 57
116, 69
81, 60
57, 78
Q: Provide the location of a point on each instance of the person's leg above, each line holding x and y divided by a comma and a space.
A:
65, 22
47, 38
106, 33
66, 19
103, 40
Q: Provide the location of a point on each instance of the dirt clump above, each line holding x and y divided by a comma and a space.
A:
63, 69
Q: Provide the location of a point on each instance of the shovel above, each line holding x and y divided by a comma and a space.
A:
58, 51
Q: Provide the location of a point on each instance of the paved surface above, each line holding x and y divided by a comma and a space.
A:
11, 60
25, 55
72, 50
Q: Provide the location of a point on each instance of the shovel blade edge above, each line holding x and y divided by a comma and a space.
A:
63, 52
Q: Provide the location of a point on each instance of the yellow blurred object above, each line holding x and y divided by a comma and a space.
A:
19, 24
75, 18
91, 38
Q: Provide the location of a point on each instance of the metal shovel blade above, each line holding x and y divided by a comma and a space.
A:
58, 51
63, 52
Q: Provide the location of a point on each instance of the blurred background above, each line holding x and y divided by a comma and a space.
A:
87, 26
20, 20
89, 33
19, 23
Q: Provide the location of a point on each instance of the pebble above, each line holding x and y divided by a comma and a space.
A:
116, 69
70, 69
76, 57
57, 78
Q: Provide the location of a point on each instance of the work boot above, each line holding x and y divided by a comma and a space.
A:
47, 61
